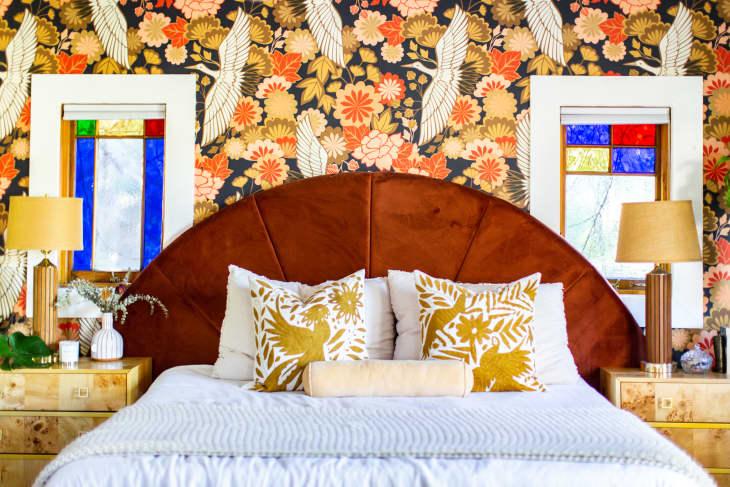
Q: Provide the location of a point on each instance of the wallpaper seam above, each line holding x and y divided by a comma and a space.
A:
472, 239
268, 237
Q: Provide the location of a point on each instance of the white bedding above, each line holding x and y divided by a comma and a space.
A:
194, 384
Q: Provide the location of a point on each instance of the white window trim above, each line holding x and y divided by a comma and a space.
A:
49, 92
683, 96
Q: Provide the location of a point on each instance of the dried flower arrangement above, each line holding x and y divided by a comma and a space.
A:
109, 299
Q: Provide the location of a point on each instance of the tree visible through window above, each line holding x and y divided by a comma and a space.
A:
117, 167
604, 166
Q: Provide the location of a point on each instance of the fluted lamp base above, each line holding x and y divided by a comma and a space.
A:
45, 287
658, 324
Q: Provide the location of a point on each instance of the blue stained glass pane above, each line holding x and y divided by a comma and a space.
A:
85, 189
587, 134
631, 160
153, 188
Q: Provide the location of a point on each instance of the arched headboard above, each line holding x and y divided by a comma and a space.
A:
327, 227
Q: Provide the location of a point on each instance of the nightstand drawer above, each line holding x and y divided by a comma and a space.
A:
709, 446
21, 470
63, 392
679, 402
43, 434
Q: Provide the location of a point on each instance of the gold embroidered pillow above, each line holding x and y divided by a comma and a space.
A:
291, 332
490, 331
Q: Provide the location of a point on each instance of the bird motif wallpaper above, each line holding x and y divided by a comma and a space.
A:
297, 88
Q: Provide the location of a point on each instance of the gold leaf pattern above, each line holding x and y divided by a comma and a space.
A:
490, 331
291, 332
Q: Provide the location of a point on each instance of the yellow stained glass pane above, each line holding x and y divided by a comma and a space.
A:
121, 127
583, 159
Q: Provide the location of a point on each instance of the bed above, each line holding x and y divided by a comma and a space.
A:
325, 228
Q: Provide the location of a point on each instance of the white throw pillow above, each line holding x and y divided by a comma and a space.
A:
237, 347
554, 363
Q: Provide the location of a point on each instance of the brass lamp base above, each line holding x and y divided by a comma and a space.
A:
658, 370
658, 323
45, 287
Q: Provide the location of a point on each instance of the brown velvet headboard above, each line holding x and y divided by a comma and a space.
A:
327, 227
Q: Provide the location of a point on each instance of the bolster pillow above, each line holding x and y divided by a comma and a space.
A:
387, 378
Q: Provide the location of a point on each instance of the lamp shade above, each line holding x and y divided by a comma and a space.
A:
658, 232
45, 223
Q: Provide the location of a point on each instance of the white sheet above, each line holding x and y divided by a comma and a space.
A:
194, 384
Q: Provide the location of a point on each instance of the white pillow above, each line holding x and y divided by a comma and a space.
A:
237, 347
554, 363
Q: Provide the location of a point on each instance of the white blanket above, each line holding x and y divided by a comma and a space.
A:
579, 437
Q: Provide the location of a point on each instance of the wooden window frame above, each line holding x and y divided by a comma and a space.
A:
661, 145
68, 182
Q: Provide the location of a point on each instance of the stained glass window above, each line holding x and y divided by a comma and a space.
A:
605, 166
119, 172
121, 127
587, 159
633, 160
587, 134
634, 135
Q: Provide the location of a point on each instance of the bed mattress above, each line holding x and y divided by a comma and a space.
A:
193, 384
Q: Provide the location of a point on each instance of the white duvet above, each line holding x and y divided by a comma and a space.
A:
194, 384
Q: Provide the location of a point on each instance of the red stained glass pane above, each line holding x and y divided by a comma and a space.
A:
154, 128
634, 135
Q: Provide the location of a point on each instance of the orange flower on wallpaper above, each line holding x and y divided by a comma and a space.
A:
391, 88
268, 162
633, 6
588, 25
357, 103
7, 172
210, 174
414, 7
712, 151
248, 112
379, 149
466, 110
197, 8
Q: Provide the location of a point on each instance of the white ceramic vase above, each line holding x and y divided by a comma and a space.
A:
107, 343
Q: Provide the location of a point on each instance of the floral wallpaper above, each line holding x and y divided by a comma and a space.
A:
431, 87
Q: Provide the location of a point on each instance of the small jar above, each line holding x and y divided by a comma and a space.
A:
68, 352
696, 361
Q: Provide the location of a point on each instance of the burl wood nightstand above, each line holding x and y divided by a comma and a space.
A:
42, 410
692, 410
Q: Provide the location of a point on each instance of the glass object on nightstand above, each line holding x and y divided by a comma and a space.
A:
696, 361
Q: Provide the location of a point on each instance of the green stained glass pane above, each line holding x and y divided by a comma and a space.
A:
121, 127
86, 127
582, 159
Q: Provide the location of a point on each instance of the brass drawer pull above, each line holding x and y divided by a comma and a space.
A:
82, 392
1, 435
665, 403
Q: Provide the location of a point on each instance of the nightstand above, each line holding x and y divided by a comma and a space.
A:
692, 410
43, 410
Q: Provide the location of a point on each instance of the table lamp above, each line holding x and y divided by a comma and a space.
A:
660, 232
45, 224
